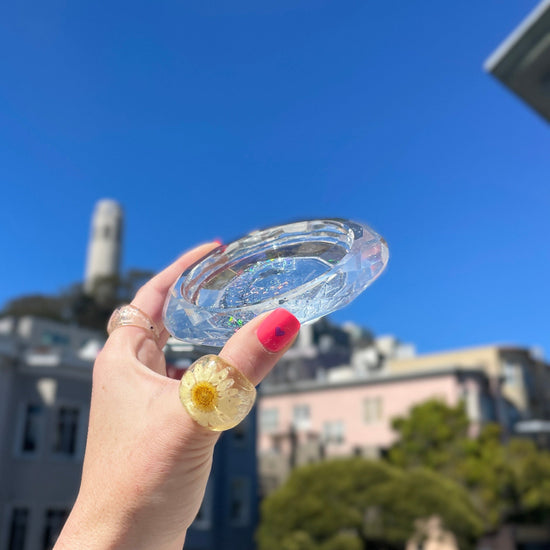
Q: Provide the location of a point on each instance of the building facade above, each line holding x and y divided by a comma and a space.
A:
104, 249
311, 420
520, 374
336, 392
45, 382
45, 389
522, 61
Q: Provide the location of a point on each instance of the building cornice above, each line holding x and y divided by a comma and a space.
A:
305, 386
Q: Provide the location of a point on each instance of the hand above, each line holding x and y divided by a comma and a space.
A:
147, 462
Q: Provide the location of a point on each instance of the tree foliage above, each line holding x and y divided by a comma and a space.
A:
472, 484
353, 504
73, 305
432, 436
507, 480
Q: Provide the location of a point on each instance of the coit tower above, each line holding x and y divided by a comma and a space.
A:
104, 247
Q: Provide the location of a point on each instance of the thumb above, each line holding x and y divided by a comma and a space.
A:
217, 397
256, 347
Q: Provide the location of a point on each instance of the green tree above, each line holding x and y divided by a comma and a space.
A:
73, 305
431, 436
506, 480
530, 473
39, 305
353, 504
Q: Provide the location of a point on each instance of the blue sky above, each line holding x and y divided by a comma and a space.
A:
209, 119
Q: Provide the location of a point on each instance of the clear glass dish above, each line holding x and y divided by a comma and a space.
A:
311, 268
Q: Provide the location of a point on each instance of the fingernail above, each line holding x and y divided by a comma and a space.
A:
277, 330
218, 240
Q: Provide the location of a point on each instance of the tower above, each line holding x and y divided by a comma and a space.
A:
104, 249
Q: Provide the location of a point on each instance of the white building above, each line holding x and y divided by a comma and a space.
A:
104, 246
45, 383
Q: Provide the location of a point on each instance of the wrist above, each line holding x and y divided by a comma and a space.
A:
87, 528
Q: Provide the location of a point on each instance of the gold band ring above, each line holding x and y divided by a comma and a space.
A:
131, 316
216, 394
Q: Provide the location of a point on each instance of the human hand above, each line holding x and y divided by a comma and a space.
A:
147, 462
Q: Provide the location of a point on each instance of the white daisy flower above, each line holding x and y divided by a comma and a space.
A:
216, 394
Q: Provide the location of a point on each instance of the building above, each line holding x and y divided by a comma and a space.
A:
522, 61
45, 383
326, 351
104, 249
310, 420
45, 388
307, 413
520, 374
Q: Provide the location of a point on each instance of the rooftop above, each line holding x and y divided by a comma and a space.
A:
300, 386
522, 61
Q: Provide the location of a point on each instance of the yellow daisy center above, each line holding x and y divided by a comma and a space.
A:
204, 396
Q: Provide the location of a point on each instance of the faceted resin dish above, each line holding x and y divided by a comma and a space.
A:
311, 268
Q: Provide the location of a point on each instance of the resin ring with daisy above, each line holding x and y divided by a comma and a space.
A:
216, 394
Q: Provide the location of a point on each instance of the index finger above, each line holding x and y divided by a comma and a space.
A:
151, 296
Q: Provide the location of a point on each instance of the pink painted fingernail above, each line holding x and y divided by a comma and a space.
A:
277, 330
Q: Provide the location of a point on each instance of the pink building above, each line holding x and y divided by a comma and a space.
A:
307, 420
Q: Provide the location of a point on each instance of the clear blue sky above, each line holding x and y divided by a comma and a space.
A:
208, 119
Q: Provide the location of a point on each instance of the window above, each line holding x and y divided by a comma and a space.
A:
512, 374
269, 420
18, 528
333, 432
240, 432
66, 431
326, 343
372, 410
53, 523
50, 338
300, 417
488, 407
239, 508
32, 427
